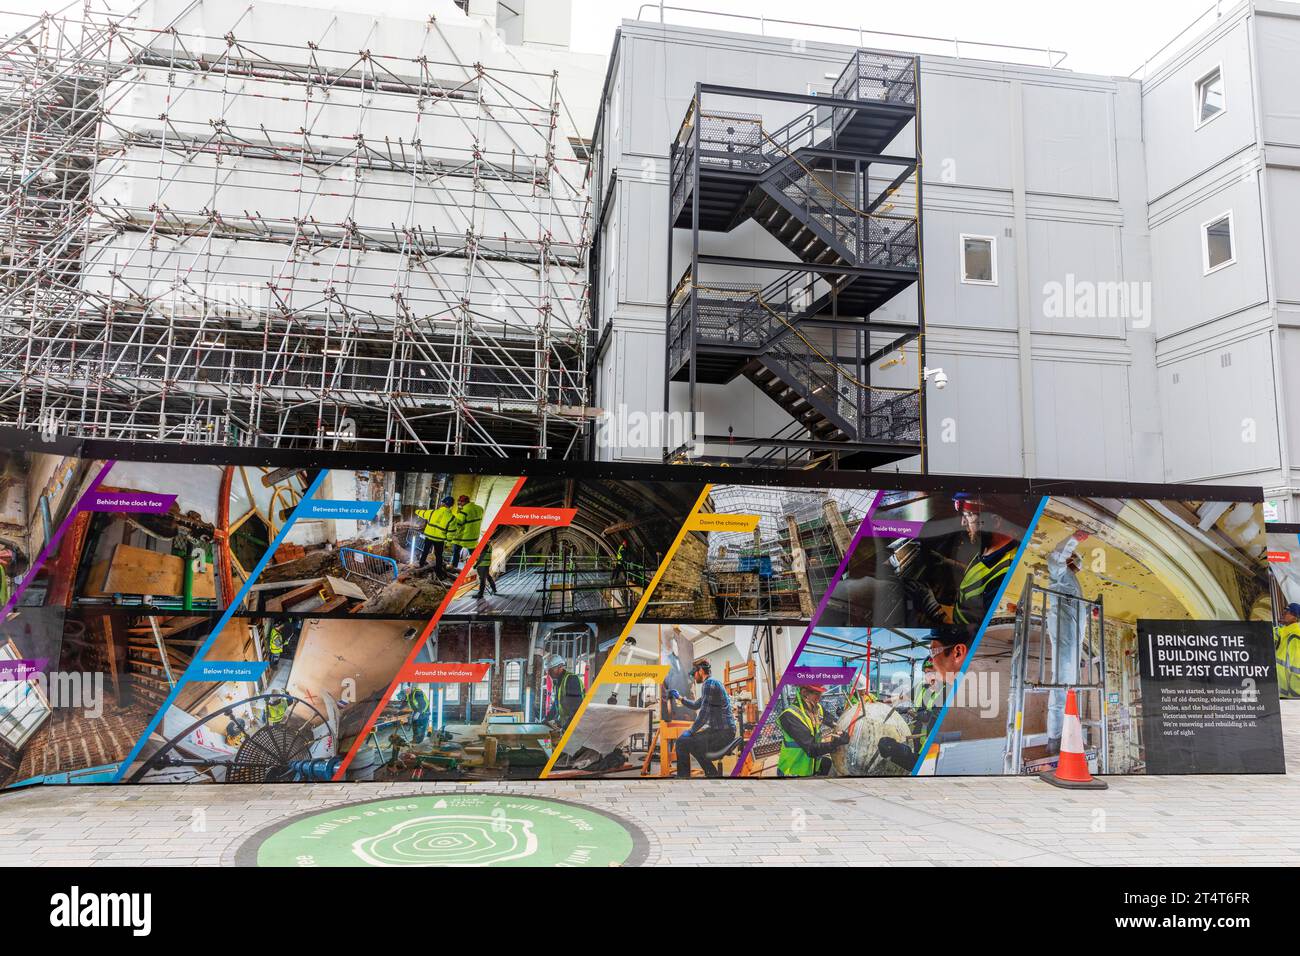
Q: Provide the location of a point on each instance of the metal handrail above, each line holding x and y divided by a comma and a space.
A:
860, 32
787, 132
822, 374
816, 207
1216, 8
687, 280
686, 122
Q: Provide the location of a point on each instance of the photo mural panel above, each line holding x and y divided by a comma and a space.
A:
179, 614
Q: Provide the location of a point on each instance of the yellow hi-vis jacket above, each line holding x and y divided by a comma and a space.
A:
437, 522
925, 696
467, 527
981, 577
1286, 643
793, 760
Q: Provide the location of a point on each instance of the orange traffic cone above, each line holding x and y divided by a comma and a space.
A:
1071, 770
931, 762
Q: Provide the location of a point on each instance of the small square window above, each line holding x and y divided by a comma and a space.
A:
979, 260
1209, 96
1217, 246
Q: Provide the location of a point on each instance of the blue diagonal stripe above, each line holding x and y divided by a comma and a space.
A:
1006, 582
221, 623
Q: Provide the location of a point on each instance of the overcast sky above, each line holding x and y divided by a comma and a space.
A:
1100, 36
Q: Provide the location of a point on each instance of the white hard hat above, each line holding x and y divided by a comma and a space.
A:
552, 661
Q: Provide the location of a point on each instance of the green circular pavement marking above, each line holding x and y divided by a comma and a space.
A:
452, 829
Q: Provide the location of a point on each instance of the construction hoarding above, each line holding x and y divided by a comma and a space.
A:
190, 614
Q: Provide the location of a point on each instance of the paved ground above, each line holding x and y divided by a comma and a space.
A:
1140, 820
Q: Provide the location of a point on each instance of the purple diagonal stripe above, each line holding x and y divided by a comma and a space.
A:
52, 545
896, 529
22, 669
863, 530
802, 676
130, 502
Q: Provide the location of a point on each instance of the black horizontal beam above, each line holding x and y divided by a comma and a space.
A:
889, 190
14, 439
822, 268
884, 159
896, 344
832, 102
812, 445
853, 325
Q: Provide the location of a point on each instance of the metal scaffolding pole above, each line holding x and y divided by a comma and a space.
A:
244, 237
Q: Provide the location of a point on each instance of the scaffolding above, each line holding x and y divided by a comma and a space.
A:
1078, 622
891, 659
276, 226
786, 563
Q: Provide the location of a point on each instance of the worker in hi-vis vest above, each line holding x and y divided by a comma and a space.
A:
1286, 644
465, 529
6, 588
926, 694
803, 752
620, 563
483, 567
277, 708
434, 534
566, 692
926, 701
236, 732
985, 573
418, 701
275, 642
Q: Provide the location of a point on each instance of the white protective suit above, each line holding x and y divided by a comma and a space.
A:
1067, 626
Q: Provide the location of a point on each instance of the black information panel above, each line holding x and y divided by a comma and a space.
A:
1209, 697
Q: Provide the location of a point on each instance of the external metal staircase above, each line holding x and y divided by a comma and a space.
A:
805, 336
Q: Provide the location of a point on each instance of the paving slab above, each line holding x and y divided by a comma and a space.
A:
1186, 820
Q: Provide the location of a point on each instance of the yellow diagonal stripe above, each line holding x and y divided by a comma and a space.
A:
627, 628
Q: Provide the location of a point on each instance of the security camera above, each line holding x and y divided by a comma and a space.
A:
939, 376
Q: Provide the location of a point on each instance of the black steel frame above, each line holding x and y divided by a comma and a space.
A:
719, 169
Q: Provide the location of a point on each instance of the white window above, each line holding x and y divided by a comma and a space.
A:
979, 260
482, 692
1210, 101
512, 690
1218, 248
451, 694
